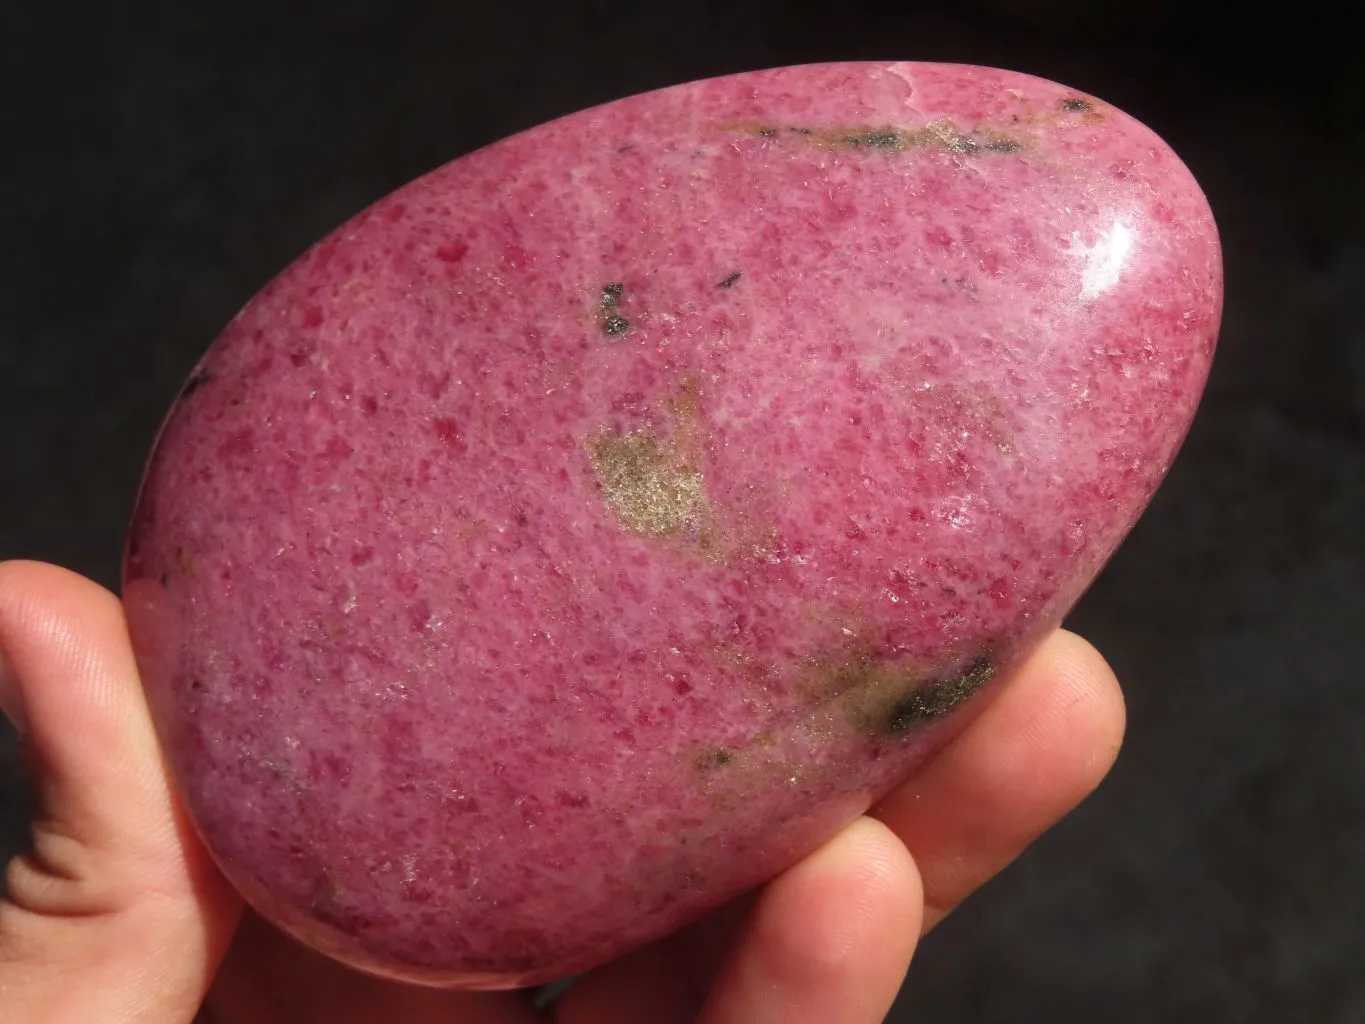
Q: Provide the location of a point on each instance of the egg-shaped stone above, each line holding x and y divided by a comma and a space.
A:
589, 529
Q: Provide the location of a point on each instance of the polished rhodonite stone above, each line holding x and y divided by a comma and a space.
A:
590, 528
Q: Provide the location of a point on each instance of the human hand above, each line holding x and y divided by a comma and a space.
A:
117, 915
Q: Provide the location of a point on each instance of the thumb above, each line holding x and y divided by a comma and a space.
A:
115, 912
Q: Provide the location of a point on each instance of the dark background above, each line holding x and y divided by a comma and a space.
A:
158, 166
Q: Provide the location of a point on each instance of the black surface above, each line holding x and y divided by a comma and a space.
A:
159, 168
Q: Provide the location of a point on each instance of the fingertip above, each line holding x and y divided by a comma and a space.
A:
71, 679
113, 887
1032, 755
848, 893
1052, 733
830, 939
52, 618
107, 813
30, 632
1073, 692
875, 880
1075, 656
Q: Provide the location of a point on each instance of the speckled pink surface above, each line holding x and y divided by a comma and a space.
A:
590, 528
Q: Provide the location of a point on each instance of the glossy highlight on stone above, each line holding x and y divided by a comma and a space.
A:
589, 529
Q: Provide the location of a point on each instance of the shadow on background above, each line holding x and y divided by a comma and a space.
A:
160, 167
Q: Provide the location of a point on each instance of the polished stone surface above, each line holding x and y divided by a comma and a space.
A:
586, 530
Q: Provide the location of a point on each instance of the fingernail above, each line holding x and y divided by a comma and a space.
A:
11, 701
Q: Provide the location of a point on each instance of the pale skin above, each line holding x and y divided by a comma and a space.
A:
117, 915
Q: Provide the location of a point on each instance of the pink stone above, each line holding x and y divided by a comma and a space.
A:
589, 529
